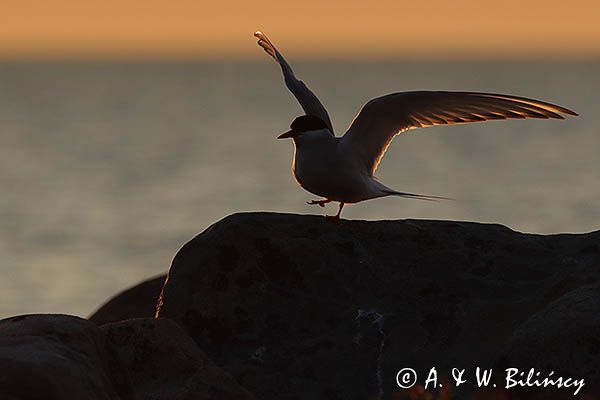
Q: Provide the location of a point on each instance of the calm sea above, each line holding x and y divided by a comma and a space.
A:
106, 169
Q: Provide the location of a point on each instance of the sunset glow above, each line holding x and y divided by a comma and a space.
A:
223, 29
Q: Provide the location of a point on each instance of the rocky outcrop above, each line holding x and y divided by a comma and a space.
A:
61, 357
136, 302
58, 357
296, 307
281, 307
163, 362
564, 335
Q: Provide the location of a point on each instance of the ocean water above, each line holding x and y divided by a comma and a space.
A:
106, 169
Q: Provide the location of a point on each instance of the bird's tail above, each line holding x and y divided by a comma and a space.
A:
415, 195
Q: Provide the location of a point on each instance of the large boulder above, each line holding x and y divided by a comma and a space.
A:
551, 335
297, 307
136, 302
58, 357
61, 357
164, 363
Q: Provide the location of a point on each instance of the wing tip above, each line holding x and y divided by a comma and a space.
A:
549, 107
265, 43
564, 110
545, 105
570, 112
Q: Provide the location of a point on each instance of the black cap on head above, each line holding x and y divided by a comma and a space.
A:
307, 123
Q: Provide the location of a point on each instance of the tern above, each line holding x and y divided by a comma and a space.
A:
340, 169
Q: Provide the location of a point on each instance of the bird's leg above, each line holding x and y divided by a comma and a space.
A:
339, 210
318, 202
336, 217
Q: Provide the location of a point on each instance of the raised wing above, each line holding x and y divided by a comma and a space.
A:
307, 99
384, 117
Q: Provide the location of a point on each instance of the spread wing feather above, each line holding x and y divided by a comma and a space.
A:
307, 99
382, 118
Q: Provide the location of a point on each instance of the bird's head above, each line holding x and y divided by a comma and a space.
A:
305, 124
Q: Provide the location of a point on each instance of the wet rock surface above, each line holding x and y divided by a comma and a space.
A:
296, 307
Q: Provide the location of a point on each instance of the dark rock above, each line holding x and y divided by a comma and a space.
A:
165, 363
58, 357
564, 335
296, 307
136, 302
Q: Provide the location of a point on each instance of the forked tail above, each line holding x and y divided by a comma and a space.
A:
416, 196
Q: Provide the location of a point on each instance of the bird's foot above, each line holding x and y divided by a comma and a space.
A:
318, 202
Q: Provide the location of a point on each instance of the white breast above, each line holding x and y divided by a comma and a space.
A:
321, 169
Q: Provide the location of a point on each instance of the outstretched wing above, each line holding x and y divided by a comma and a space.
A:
307, 99
384, 117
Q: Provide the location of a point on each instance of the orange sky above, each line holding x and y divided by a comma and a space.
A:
307, 28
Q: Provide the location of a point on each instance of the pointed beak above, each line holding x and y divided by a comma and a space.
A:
289, 134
